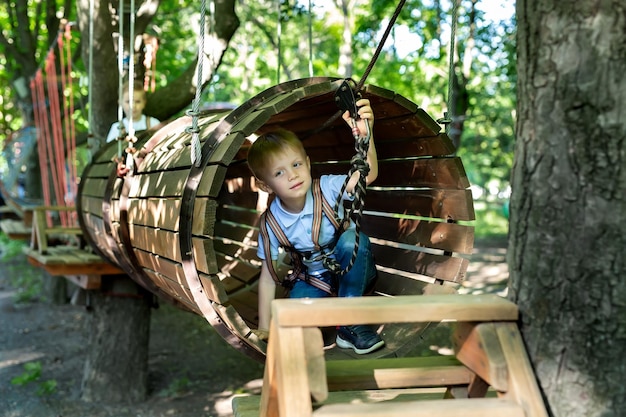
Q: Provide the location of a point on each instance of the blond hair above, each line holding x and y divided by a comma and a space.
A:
270, 144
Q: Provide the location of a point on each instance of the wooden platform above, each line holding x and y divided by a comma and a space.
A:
72, 261
68, 256
490, 374
15, 229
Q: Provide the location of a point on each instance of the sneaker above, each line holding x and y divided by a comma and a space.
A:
362, 339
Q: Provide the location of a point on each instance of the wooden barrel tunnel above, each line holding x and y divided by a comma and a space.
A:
188, 233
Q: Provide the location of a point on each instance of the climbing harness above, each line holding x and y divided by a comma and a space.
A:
321, 206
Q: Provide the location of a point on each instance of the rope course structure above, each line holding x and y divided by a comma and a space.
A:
53, 106
184, 224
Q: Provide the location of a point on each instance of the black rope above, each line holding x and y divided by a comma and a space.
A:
359, 160
355, 212
368, 69
392, 22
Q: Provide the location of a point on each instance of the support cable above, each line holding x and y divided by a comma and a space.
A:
196, 148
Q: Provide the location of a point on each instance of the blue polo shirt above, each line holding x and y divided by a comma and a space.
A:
297, 226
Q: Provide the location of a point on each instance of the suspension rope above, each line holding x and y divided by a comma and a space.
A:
39, 104
120, 82
379, 48
451, 99
131, 138
196, 148
89, 73
55, 150
346, 98
69, 156
368, 69
279, 29
310, 40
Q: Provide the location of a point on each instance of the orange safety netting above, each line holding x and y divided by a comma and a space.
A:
53, 109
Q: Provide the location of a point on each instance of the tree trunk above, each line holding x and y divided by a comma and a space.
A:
116, 369
55, 289
568, 208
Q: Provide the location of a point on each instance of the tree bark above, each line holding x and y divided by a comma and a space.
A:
116, 369
55, 289
568, 207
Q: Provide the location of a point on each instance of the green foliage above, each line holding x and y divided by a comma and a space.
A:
32, 373
9, 248
413, 62
28, 283
491, 221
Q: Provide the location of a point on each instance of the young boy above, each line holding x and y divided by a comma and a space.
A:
140, 120
281, 166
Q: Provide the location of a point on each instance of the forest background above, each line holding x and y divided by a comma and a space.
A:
274, 42
567, 233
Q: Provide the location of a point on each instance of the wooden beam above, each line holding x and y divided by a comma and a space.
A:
477, 407
477, 346
433, 371
87, 282
523, 387
400, 309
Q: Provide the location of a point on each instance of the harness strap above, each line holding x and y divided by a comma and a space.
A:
320, 206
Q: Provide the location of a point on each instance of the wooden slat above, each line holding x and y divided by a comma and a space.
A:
437, 173
523, 387
401, 309
449, 237
242, 271
395, 284
158, 241
396, 373
94, 187
478, 347
437, 204
245, 303
159, 184
398, 138
248, 405
204, 255
15, 229
67, 263
87, 282
476, 407
155, 212
172, 270
442, 267
213, 288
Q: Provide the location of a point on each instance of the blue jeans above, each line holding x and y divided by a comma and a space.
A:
355, 281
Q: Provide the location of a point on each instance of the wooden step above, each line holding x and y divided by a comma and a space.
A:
68, 261
15, 229
249, 405
380, 310
391, 403
432, 371
479, 407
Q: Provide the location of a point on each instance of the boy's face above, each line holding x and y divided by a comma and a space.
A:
288, 175
139, 102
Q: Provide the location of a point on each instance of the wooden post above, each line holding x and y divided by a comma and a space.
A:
116, 368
